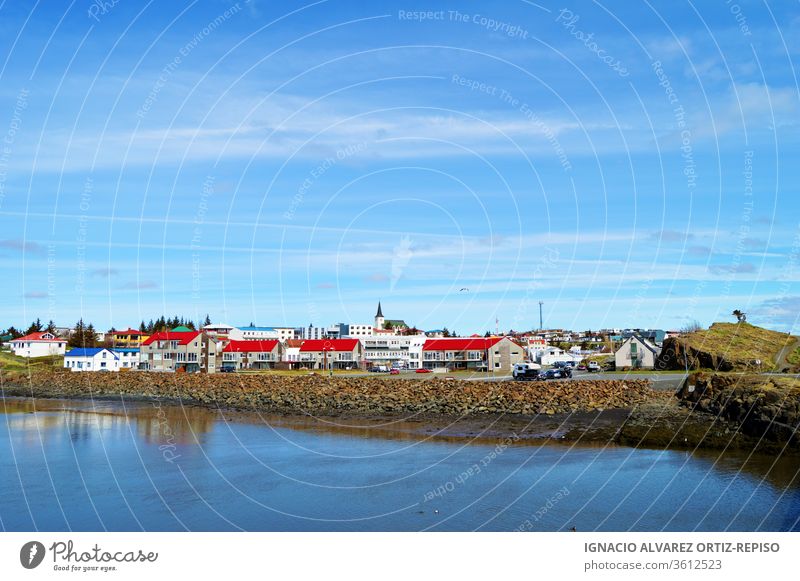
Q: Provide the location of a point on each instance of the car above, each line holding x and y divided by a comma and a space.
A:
581, 367
555, 374
526, 371
394, 372
424, 371
593, 366
227, 369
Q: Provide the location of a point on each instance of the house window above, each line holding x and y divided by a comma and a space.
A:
497, 364
102, 364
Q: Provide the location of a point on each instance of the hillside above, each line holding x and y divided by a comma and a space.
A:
726, 347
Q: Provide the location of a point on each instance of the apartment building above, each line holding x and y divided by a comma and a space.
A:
263, 354
182, 351
498, 354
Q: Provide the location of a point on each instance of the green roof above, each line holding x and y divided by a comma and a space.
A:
181, 329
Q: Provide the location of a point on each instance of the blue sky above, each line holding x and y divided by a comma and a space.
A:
294, 163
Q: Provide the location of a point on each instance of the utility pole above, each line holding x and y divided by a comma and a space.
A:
541, 324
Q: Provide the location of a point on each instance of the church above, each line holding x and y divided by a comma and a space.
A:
383, 324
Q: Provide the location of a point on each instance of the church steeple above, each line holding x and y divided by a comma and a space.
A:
379, 317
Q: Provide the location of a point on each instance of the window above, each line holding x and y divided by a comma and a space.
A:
497, 364
102, 364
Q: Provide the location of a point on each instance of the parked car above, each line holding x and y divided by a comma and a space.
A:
581, 367
394, 372
227, 369
593, 366
526, 371
555, 374
423, 371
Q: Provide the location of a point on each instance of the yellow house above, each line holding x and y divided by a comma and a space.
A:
128, 338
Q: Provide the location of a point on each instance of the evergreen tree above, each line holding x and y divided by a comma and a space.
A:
14, 332
143, 327
207, 320
35, 327
76, 338
51, 327
90, 336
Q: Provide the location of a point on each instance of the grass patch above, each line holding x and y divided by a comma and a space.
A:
11, 362
739, 342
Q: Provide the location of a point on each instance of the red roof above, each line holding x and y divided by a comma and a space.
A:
460, 344
183, 338
250, 346
129, 332
39, 337
329, 345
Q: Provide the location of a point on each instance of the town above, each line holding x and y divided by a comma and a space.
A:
384, 345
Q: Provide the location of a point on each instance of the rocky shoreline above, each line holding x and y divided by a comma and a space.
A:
600, 412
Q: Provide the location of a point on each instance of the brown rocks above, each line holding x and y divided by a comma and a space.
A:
333, 395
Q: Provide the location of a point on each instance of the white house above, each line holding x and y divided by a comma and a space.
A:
554, 354
91, 359
128, 357
636, 353
38, 345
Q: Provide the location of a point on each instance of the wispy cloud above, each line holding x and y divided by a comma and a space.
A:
26, 247
35, 295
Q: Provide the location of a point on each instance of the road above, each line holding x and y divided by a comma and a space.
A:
660, 381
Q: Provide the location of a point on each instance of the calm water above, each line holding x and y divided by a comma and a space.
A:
77, 465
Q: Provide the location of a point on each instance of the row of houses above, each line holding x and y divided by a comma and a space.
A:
194, 351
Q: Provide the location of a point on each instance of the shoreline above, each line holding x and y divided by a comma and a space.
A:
654, 420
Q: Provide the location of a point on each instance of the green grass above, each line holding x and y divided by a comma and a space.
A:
794, 357
739, 342
11, 362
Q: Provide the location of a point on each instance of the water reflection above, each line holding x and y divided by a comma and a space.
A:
154, 421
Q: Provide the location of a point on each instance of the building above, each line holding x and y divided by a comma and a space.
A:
218, 330
552, 355
498, 354
129, 338
392, 350
333, 353
190, 351
382, 323
252, 333
91, 359
636, 353
128, 357
291, 353
312, 332
357, 330
263, 354
39, 344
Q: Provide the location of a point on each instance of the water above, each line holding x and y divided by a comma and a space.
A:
121, 466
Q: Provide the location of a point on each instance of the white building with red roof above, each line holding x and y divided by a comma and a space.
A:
497, 354
180, 351
258, 354
38, 345
335, 353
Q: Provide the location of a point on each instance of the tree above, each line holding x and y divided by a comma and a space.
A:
14, 332
76, 338
740, 316
51, 327
90, 336
35, 327
446, 332
207, 320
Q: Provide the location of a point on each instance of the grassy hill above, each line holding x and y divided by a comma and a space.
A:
10, 362
728, 346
